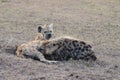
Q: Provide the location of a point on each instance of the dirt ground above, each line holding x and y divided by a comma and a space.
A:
96, 22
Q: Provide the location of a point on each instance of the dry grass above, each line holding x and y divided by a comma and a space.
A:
95, 21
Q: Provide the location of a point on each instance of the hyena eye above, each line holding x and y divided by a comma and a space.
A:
45, 31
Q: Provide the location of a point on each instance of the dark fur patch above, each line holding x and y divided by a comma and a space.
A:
75, 43
72, 49
82, 43
39, 29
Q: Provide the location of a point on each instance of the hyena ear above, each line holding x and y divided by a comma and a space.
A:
45, 25
39, 29
51, 26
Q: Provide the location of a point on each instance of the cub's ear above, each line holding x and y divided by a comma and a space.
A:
50, 26
39, 29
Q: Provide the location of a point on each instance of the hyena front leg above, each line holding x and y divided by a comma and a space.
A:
19, 50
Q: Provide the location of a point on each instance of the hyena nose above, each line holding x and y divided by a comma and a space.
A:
49, 36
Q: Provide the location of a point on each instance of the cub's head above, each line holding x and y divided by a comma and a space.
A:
46, 31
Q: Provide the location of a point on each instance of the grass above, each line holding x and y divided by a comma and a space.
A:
4, 1
94, 21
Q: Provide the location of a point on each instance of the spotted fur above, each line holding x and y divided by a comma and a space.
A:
66, 48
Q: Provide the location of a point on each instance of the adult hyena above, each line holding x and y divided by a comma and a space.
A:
66, 48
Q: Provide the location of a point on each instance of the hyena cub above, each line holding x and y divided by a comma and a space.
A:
30, 49
66, 48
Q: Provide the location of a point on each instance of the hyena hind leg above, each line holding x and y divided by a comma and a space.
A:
19, 50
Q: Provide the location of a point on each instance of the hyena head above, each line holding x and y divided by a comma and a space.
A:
46, 31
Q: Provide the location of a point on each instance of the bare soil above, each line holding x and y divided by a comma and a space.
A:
96, 22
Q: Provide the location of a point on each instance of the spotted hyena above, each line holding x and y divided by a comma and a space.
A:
66, 48
30, 49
